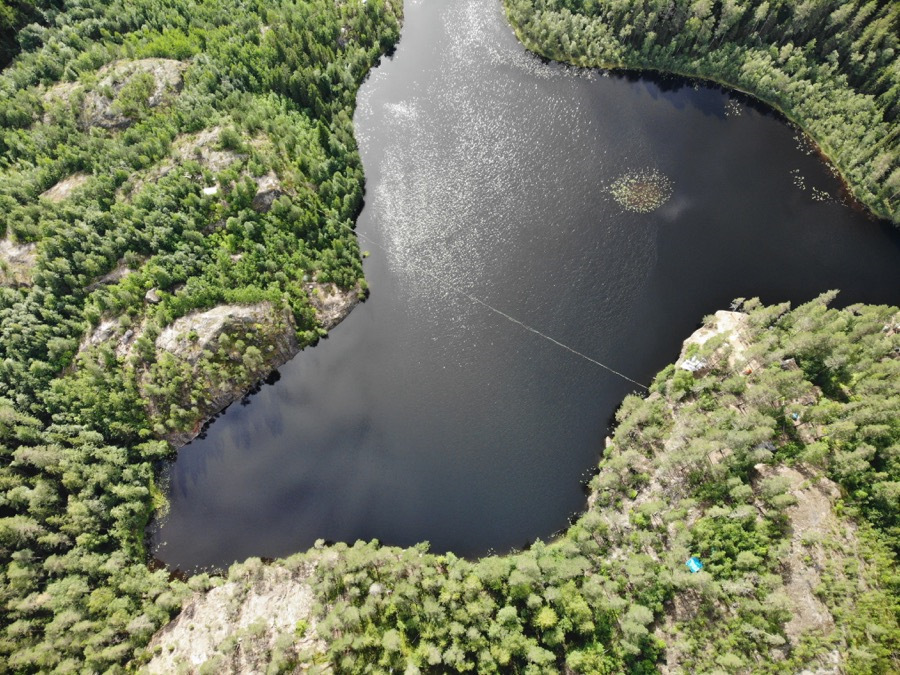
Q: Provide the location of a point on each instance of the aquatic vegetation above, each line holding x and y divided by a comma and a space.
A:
733, 108
642, 191
832, 69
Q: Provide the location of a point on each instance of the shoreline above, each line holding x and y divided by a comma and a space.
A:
822, 150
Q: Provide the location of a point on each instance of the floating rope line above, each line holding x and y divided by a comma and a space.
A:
506, 316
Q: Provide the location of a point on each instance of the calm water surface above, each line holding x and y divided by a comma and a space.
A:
425, 416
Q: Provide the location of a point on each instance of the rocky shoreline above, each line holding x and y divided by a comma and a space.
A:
643, 505
189, 336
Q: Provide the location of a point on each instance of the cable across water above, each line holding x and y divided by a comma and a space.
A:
506, 316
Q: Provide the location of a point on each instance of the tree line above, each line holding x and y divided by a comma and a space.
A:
160, 223
693, 469
830, 66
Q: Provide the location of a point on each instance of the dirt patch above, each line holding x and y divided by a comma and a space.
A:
63, 189
237, 627
16, 262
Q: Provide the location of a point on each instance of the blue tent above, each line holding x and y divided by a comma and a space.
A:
694, 564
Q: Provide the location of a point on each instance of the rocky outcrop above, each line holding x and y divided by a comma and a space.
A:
732, 326
202, 147
191, 335
810, 520
120, 271
100, 108
268, 190
260, 617
111, 332
332, 303
223, 352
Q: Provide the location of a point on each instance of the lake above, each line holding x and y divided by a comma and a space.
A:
427, 415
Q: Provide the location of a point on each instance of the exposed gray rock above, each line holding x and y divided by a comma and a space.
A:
152, 296
201, 147
269, 189
236, 627
16, 262
730, 324
197, 335
98, 109
116, 275
190, 335
331, 303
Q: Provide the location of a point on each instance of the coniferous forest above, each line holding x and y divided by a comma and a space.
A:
136, 137
832, 67
160, 159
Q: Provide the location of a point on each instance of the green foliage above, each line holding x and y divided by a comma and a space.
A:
16, 14
272, 88
830, 66
596, 600
262, 90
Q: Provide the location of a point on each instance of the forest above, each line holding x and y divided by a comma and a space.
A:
162, 159
775, 463
15, 15
156, 158
831, 67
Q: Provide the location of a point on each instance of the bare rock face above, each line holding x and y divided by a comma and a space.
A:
189, 336
268, 191
61, 92
115, 276
201, 147
332, 304
226, 351
16, 262
64, 188
101, 106
729, 324
112, 333
152, 296
239, 627
812, 518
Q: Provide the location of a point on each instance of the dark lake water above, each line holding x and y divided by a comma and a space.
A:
425, 416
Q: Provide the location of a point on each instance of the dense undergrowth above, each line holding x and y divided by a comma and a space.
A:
833, 67
155, 158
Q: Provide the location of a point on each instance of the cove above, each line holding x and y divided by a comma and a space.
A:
425, 416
